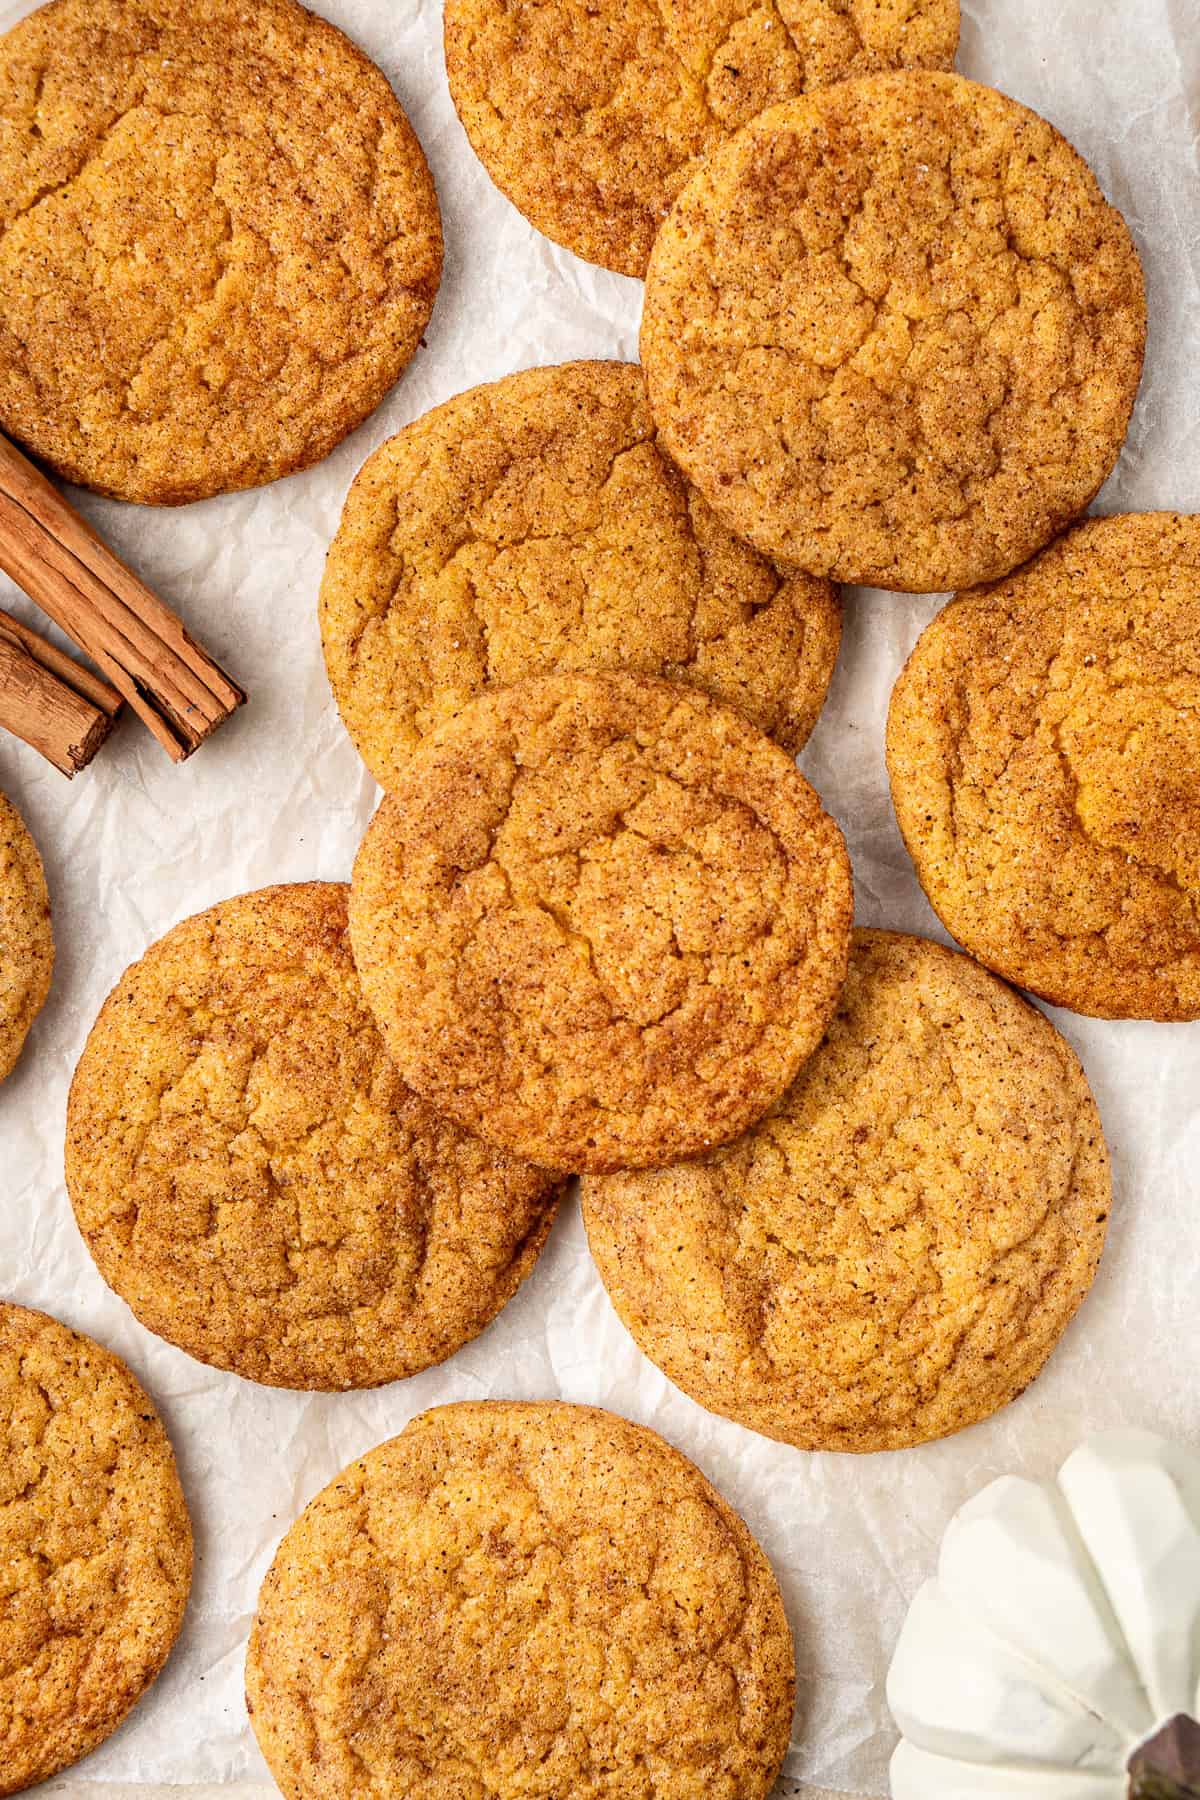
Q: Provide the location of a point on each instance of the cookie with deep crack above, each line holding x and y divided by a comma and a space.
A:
894, 1251
521, 1600
532, 526
1044, 751
219, 242
255, 1180
893, 332
601, 920
95, 1546
26, 939
590, 115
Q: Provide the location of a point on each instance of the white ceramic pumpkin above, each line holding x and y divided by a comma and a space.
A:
1056, 1654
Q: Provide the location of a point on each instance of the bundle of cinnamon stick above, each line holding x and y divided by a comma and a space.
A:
145, 656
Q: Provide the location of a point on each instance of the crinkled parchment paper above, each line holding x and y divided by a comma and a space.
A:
135, 844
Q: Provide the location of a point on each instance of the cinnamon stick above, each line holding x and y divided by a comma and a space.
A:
50, 701
1167, 1767
172, 684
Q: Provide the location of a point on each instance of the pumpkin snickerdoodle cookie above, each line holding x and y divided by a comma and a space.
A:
523, 1601
893, 332
256, 1181
601, 920
1044, 751
95, 1546
533, 526
893, 1252
591, 114
26, 939
219, 242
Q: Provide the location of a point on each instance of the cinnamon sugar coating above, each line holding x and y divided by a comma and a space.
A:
254, 1178
601, 920
534, 526
1044, 752
524, 1602
219, 242
95, 1546
591, 115
26, 938
893, 332
894, 1251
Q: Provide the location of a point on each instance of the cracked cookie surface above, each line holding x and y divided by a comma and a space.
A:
533, 526
893, 1252
95, 1546
219, 242
521, 1602
893, 333
591, 117
26, 938
602, 920
1044, 753
255, 1180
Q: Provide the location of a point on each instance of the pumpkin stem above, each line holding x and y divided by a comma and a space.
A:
1167, 1766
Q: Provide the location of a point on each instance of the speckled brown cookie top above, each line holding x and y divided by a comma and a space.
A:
602, 920
591, 114
219, 242
534, 525
254, 1178
894, 1251
26, 940
1044, 752
95, 1546
893, 333
526, 1602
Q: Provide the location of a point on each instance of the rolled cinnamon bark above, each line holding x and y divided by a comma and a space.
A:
62, 709
1167, 1767
51, 552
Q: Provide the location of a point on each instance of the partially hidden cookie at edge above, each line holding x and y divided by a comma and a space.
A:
1043, 745
894, 1251
255, 1180
521, 1600
220, 242
534, 526
601, 920
95, 1546
26, 939
591, 114
893, 332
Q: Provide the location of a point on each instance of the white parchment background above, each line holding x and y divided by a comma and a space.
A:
135, 844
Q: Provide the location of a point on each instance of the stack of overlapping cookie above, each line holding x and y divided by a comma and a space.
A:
846, 1188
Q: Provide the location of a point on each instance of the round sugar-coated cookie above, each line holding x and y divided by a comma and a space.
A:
601, 919
255, 1180
894, 1251
893, 332
532, 526
521, 1601
1043, 744
591, 114
219, 242
26, 939
95, 1546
